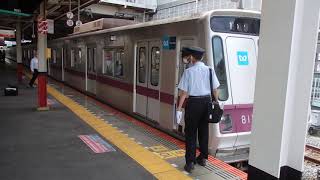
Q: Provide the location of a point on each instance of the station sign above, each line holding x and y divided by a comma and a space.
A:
46, 26
42, 26
50, 23
70, 22
169, 42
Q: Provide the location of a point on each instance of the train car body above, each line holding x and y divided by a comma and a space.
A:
136, 68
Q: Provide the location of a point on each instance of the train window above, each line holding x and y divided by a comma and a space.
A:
113, 62
79, 57
118, 65
237, 25
54, 56
220, 68
72, 57
142, 65
64, 57
94, 60
59, 56
155, 66
91, 60
107, 62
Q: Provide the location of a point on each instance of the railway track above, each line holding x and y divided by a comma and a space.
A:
312, 154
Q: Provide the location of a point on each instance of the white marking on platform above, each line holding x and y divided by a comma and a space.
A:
174, 165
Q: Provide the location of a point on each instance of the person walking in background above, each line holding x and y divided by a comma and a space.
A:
34, 68
195, 85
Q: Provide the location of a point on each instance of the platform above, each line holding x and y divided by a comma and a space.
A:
46, 145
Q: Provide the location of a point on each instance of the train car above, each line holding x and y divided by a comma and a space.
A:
136, 68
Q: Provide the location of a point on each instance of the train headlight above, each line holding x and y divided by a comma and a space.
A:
226, 123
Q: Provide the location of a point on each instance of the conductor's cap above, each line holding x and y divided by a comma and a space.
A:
197, 51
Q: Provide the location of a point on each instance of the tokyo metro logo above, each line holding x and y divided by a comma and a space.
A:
243, 58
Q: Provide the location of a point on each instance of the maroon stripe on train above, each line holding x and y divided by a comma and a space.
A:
166, 98
92, 76
74, 72
115, 83
148, 92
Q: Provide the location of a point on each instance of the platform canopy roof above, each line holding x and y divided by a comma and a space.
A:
27, 11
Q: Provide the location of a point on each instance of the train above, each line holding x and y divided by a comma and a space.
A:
136, 68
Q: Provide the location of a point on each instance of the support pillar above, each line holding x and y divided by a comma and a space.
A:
288, 36
42, 76
19, 52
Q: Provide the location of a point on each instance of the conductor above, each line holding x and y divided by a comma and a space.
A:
195, 85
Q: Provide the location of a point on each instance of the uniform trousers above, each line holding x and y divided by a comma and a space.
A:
34, 77
196, 121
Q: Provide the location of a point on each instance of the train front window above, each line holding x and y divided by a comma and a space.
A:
235, 25
219, 67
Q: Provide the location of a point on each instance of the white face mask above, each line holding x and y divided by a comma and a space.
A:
185, 60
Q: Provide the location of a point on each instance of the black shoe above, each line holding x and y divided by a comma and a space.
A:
189, 167
201, 161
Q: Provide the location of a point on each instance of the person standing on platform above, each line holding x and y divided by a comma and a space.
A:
34, 68
195, 84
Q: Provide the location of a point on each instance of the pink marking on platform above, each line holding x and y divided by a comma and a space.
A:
94, 146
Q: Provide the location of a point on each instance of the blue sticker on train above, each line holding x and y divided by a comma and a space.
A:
243, 58
168, 42
165, 42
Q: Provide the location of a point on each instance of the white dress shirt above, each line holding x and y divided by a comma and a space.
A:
34, 64
195, 80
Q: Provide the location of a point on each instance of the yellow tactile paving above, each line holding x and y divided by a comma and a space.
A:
150, 161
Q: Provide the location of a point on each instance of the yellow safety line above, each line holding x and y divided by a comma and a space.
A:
150, 161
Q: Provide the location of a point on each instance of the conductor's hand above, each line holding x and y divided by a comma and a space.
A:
179, 116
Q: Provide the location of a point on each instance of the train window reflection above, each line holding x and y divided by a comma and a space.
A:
72, 58
91, 60
108, 62
219, 67
118, 65
142, 65
155, 65
59, 56
113, 62
54, 56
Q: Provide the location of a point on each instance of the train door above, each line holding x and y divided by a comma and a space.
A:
91, 75
182, 42
147, 81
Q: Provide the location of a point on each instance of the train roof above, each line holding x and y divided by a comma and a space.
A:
220, 12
